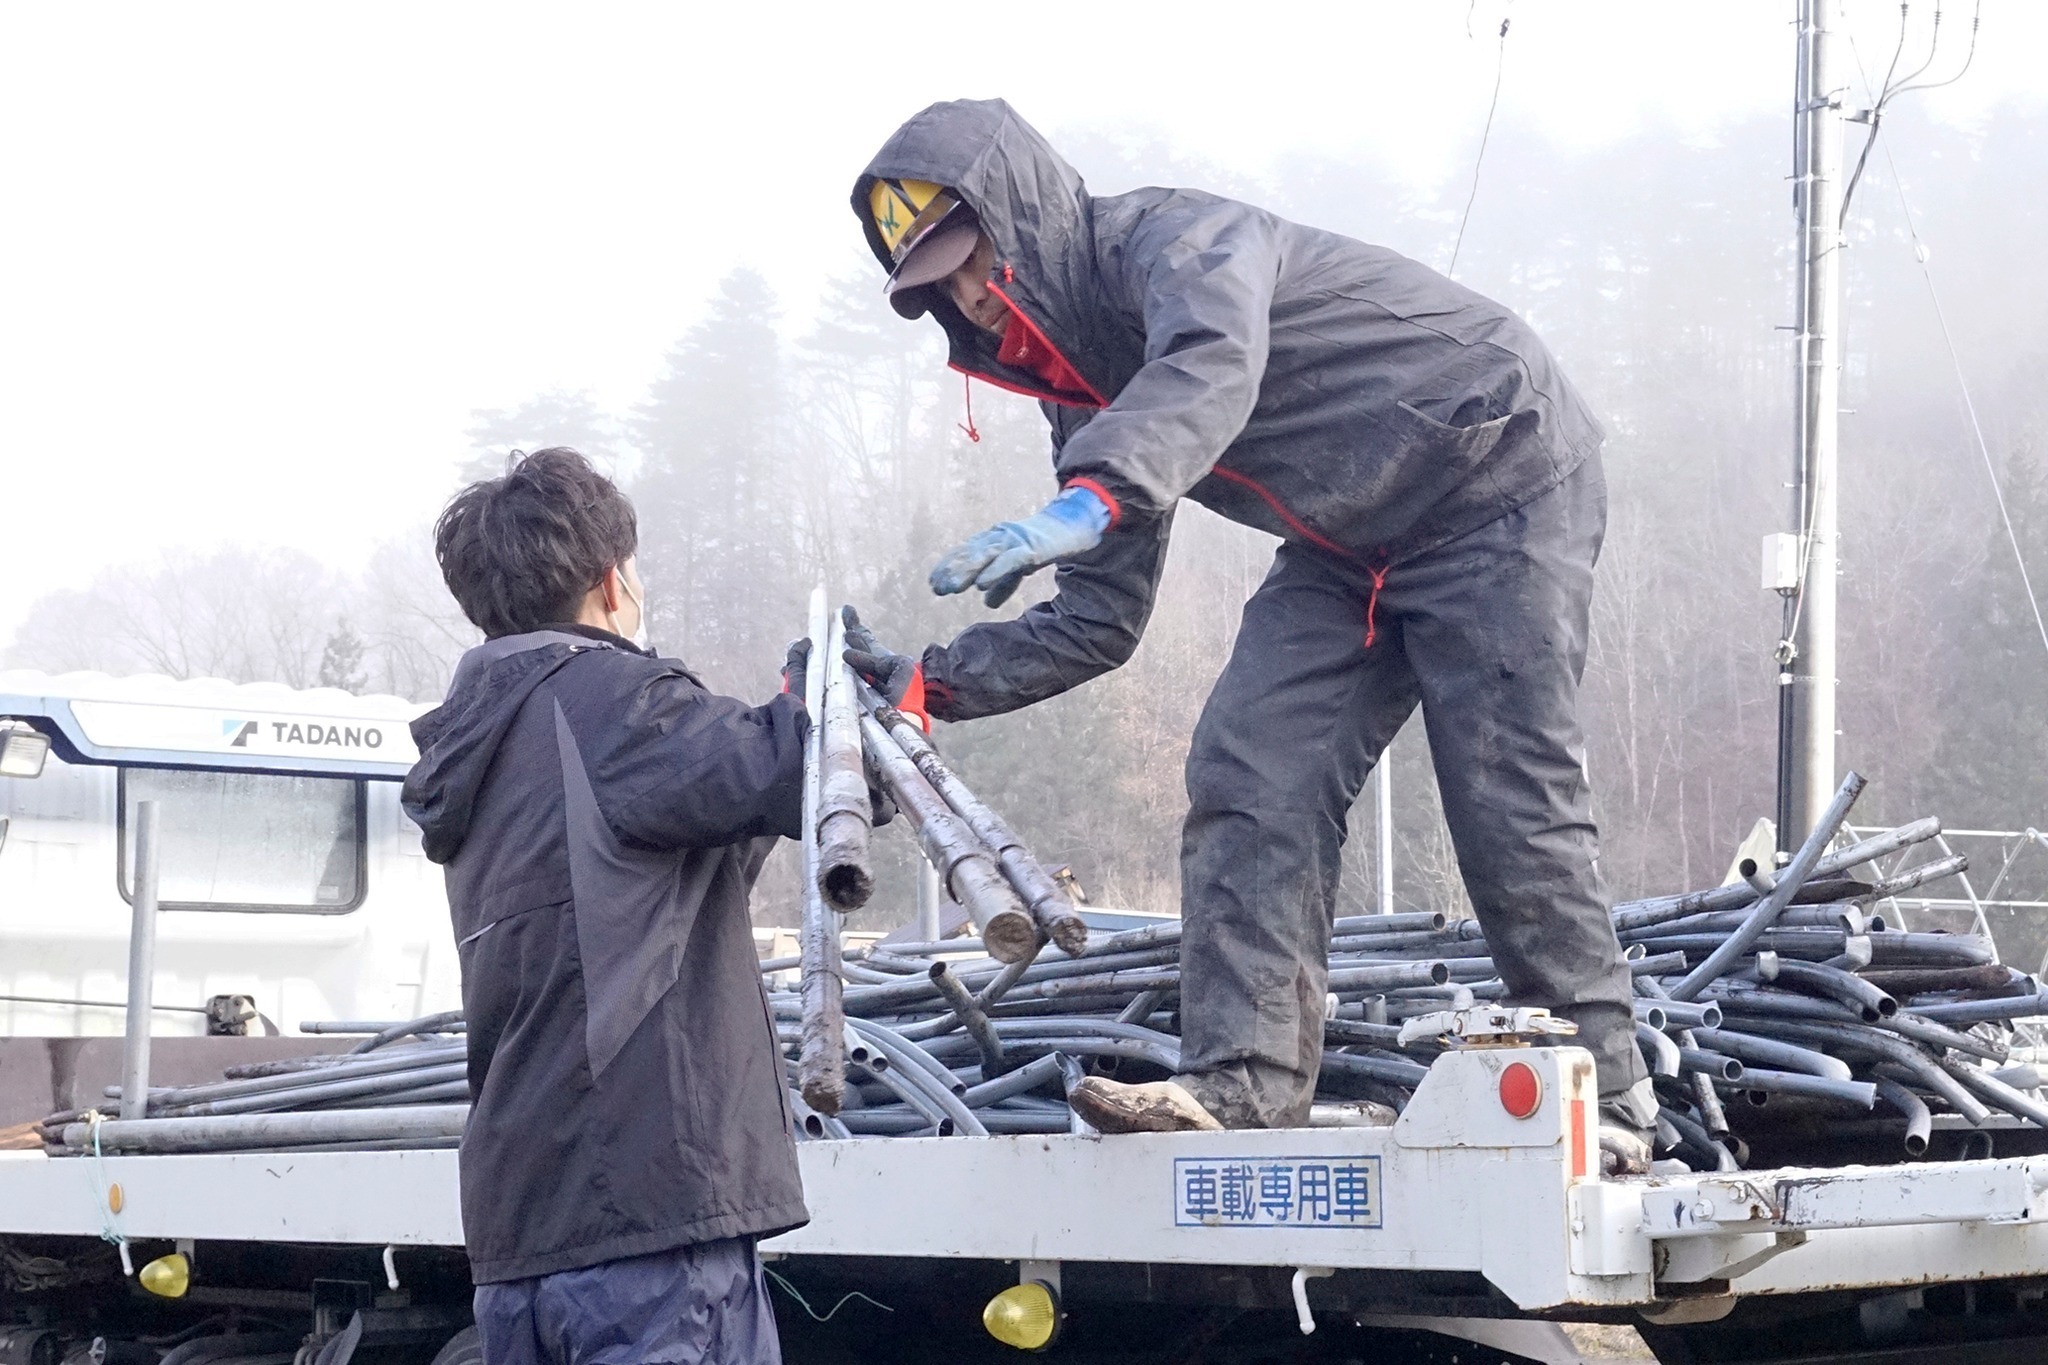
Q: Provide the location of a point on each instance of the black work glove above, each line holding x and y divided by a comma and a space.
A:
898, 677
796, 669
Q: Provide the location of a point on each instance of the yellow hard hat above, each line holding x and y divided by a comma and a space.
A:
929, 233
905, 210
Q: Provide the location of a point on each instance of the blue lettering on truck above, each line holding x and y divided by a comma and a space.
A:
1277, 1192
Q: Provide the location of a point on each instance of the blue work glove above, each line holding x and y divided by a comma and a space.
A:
997, 560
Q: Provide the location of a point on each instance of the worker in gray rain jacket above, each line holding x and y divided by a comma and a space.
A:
1435, 482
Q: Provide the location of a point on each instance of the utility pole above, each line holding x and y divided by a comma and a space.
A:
1806, 655
1383, 829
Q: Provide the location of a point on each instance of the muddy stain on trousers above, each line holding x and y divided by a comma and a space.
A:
1488, 635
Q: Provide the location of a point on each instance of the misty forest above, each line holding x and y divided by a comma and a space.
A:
787, 441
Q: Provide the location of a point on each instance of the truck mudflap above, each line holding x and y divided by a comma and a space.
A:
1492, 1169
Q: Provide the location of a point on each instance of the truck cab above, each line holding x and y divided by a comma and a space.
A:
293, 887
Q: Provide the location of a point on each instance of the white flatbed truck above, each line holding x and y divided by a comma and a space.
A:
1461, 1220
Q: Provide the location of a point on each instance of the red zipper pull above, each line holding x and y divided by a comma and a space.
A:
1009, 275
967, 394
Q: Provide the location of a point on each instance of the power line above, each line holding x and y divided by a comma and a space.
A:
1920, 254
1887, 92
1499, 67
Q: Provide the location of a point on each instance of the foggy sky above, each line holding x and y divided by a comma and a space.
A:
260, 263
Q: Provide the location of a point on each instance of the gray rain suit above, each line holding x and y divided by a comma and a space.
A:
1436, 485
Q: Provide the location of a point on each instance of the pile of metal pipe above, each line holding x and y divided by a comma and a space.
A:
374, 1097
1798, 992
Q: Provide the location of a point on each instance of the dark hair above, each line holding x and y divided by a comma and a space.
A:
521, 551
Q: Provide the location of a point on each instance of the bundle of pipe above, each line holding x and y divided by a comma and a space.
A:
1048, 905
971, 871
1776, 993
379, 1092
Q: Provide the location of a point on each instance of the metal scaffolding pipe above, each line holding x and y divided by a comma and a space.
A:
971, 1017
1845, 987
844, 816
968, 869
1862, 1094
1919, 1119
1801, 867
821, 1065
254, 1131
1041, 895
1770, 1052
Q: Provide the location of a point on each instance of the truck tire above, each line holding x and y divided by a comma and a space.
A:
464, 1348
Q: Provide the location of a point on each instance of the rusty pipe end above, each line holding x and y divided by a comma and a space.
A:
1069, 933
846, 886
824, 1093
1010, 936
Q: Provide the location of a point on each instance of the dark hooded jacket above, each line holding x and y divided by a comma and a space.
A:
1329, 392
602, 818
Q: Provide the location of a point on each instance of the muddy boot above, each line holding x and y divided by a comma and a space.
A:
1628, 1127
1154, 1107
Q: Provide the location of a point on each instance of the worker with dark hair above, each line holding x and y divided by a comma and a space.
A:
1435, 484
602, 817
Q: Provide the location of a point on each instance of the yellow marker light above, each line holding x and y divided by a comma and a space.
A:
167, 1277
1025, 1316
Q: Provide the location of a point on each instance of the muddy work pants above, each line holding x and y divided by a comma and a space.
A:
1488, 635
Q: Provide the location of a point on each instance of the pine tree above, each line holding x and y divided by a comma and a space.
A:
559, 417
341, 661
715, 494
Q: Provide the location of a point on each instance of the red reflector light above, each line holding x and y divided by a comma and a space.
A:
1521, 1090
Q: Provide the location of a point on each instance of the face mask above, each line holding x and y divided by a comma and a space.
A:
639, 636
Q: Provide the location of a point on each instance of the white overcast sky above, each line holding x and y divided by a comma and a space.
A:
258, 263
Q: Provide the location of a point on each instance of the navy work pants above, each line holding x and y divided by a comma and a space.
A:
696, 1305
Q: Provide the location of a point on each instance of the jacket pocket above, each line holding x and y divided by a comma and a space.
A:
1461, 448
1401, 467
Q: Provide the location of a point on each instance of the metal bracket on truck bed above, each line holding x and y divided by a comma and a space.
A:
1728, 1227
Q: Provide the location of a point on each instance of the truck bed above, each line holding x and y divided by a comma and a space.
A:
1457, 1187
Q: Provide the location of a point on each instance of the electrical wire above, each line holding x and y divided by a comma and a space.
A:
1877, 106
805, 1304
1920, 254
1499, 68
1889, 91
1976, 21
